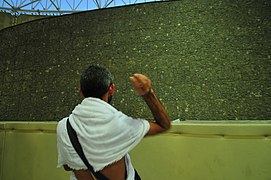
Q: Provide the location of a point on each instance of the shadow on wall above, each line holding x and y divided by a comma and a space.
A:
7, 20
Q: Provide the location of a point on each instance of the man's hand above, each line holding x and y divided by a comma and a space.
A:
141, 83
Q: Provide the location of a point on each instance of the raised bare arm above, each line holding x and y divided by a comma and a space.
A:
142, 85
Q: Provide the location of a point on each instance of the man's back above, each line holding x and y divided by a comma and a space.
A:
116, 170
106, 136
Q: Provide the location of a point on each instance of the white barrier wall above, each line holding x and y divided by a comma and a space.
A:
192, 150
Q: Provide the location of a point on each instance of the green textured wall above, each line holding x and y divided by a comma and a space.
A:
208, 60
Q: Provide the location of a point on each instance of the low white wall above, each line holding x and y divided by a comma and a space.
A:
190, 151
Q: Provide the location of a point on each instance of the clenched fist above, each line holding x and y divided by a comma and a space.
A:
141, 84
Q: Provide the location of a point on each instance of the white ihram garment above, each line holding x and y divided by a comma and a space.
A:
105, 134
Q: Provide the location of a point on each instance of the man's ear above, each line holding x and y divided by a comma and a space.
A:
80, 92
111, 89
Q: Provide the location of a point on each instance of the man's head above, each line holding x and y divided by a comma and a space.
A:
97, 81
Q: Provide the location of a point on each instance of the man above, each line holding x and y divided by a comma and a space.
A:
106, 134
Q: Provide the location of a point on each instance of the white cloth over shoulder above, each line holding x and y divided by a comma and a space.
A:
105, 134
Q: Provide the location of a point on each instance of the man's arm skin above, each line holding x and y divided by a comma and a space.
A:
162, 122
142, 85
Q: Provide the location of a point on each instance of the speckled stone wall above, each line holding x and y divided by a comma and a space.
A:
208, 60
